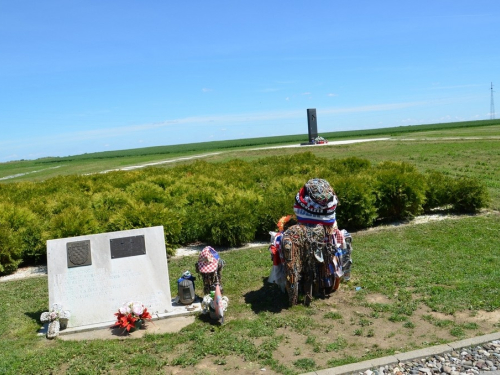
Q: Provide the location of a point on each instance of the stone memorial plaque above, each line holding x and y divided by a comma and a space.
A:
78, 253
127, 246
93, 294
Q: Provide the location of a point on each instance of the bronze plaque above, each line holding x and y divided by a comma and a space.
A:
78, 253
127, 246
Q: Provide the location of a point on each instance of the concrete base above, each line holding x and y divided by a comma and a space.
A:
174, 321
169, 325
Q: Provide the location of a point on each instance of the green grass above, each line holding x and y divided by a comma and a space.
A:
305, 364
427, 258
422, 264
339, 344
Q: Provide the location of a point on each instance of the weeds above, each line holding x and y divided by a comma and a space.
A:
409, 325
333, 315
305, 364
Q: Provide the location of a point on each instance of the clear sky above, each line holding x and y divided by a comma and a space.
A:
94, 75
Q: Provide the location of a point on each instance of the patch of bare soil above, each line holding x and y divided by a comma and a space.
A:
348, 324
360, 331
232, 365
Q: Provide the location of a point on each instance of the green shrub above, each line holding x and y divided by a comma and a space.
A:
146, 192
121, 180
233, 221
10, 250
354, 165
277, 201
10, 242
400, 190
163, 180
439, 190
235, 172
192, 199
468, 195
106, 205
22, 237
273, 208
57, 203
34, 239
228, 203
71, 222
356, 208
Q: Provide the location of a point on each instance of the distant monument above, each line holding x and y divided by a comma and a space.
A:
312, 124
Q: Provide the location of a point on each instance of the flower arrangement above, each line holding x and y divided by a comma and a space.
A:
131, 315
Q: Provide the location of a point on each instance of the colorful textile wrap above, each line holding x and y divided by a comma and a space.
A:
315, 203
304, 217
207, 263
278, 275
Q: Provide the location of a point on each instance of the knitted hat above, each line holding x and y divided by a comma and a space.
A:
315, 203
207, 263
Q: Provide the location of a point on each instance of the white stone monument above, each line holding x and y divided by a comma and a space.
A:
93, 275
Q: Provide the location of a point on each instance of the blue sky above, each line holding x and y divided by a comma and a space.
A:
87, 76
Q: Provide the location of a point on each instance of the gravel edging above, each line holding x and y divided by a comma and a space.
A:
25, 272
474, 356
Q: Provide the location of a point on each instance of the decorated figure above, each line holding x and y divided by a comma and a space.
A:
313, 255
209, 266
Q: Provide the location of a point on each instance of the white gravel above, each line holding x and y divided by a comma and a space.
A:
25, 272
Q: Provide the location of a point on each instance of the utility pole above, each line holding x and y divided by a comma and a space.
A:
492, 105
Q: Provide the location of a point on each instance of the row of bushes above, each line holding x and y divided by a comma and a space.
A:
222, 204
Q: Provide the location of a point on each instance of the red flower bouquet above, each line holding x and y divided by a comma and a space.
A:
131, 315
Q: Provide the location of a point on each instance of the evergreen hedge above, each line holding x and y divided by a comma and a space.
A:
228, 203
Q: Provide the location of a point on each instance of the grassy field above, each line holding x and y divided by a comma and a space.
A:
420, 285
41, 169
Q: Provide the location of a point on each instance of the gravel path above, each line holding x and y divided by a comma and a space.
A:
25, 272
474, 360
